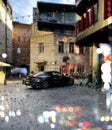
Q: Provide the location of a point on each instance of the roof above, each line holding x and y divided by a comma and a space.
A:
50, 7
82, 6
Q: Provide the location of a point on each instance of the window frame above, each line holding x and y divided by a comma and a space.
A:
41, 47
18, 30
61, 46
71, 47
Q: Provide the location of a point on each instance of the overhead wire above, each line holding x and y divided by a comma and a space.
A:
21, 18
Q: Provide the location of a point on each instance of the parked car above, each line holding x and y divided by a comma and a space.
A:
47, 79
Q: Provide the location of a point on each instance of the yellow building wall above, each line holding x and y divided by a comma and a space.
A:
2, 77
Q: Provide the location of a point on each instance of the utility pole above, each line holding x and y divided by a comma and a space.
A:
4, 54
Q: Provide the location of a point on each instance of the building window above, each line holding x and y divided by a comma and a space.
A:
71, 47
107, 8
96, 12
24, 39
76, 49
80, 69
18, 30
24, 51
18, 39
24, 31
81, 50
87, 19
41, 47
18, 50
61, 47
25, 60
30, 31
93, 15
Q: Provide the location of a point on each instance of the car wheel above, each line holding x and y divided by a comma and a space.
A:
45, 84
34, 86
71, 82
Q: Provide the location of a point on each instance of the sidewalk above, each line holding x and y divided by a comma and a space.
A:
14, 80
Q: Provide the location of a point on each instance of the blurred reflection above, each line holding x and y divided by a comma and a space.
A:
65, 116
107, 117
16, 114
109, 100
5, 110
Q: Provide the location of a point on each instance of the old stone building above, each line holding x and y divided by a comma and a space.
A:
50, 51
53, 43
92, 28
5, 31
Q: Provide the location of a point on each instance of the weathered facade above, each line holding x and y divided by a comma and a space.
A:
5, 31
50, 51
57, 20
21, 44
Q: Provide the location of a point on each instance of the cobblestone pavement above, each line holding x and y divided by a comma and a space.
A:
59, 108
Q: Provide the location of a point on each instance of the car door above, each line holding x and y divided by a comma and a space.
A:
57, 78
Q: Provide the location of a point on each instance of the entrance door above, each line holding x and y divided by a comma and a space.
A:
41, 68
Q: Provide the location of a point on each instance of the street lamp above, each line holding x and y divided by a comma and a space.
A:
4, 56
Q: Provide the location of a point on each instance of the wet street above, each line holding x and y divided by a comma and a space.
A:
60, 108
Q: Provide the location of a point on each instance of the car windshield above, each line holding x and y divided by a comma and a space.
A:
56, 74
39, 74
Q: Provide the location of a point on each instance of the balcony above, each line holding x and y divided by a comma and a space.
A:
55, 27
58, 18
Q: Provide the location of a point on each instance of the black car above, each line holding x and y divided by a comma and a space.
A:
47, 79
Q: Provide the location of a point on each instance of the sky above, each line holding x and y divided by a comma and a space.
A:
23, 9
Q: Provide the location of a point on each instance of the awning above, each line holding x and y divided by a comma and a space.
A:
3, 64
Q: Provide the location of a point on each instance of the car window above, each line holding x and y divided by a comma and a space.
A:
49, 74
39, 74
56, 74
